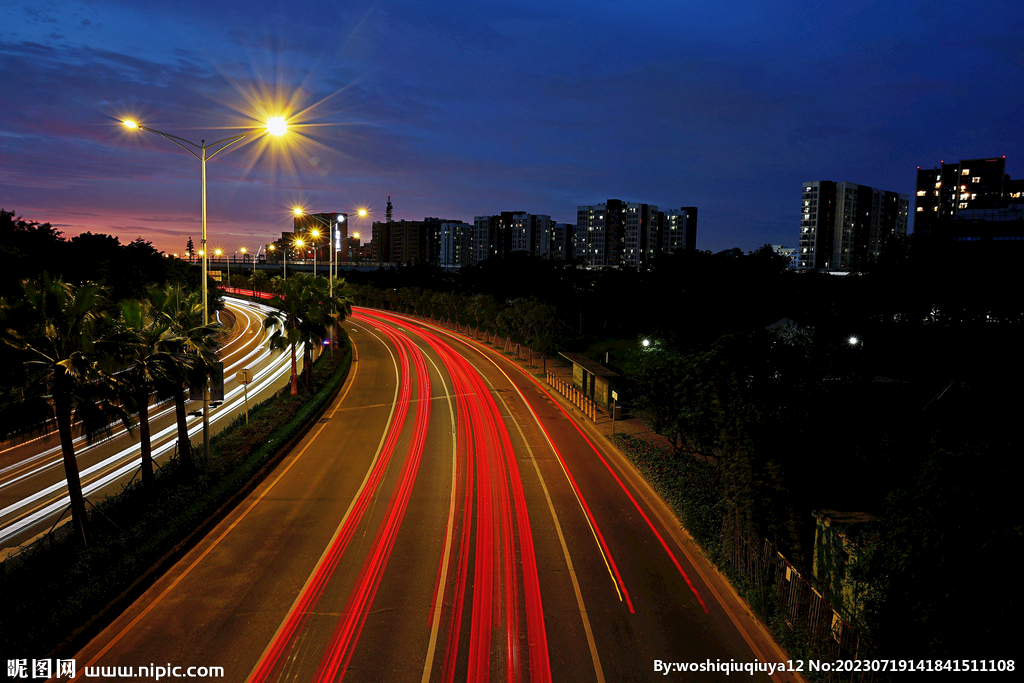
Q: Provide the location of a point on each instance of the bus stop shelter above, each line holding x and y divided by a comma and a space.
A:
593, 379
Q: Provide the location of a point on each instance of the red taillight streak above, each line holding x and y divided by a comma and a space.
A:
661, 540
462, 568
300, 612
490, 431
346, 634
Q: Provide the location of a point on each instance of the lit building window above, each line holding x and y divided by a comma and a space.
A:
976, 179
938, 185
966, 171
920, 193
920, 208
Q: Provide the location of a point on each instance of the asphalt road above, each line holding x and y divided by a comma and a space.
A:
445, 521
33, 492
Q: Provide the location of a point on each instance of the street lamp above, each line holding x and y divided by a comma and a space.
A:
276, 126
297, 244
314, 235
271, 247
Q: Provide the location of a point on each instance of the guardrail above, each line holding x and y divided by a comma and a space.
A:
586, 405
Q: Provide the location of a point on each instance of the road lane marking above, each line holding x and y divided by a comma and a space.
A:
591, 643
497, 505
350, 381
315, 575
435, 621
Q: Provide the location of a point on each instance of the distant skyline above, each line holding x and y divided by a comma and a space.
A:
460, 109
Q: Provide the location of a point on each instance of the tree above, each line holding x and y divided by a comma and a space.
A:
69, 374
297, 312
154, 354
259, 281
21, 244
183, 311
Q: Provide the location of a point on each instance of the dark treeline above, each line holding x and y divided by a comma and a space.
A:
752, 374
28, 248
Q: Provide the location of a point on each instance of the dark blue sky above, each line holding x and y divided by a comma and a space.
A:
468, 108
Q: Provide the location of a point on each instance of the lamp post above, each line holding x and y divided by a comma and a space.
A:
218, 253
314, 235
275, 126
298, 244
333, 267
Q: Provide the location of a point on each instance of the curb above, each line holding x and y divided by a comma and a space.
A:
84, 633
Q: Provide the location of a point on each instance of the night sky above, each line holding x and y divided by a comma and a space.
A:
471, 108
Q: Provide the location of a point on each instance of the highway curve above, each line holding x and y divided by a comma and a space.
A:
446, 520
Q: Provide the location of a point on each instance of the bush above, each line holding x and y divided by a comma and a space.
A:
684, 483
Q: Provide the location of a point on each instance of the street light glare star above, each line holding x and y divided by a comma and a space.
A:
277, 126
297, 211
130, 124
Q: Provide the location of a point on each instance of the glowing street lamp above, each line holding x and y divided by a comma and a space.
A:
314, 235
275, 126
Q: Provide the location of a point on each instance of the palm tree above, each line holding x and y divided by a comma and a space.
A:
329, 313
184, 312
291, 304
155, 357
304, 312
259, 281
68, 374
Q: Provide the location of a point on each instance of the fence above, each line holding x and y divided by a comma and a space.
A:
775, 581
574, 395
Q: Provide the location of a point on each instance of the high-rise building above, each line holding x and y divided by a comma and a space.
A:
617, 233
639, 234
454, 244
563, 243
973, 200
531, 233
380, 242
844, 225
677, 229
600, 236
498, 236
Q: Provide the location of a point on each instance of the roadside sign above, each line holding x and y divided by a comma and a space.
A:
217, 382
244, 376
615, 395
